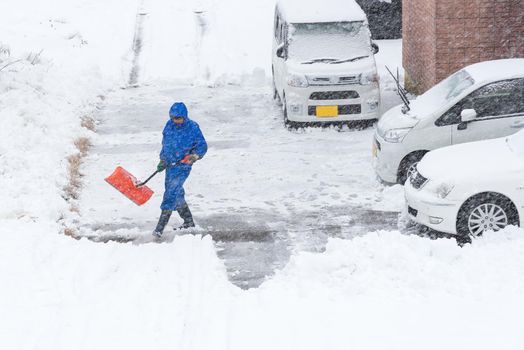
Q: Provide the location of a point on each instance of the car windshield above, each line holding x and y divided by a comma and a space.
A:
515, 143
443, 93
334, 42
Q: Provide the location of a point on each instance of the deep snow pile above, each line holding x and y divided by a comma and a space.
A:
388, 291
53, 71
381, 291
58, 293
207, 41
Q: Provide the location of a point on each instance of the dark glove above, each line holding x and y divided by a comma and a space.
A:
190, 159
161, 166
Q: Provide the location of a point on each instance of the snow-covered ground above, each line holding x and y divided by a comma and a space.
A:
302, 207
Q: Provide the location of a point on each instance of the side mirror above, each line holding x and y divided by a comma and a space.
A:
468, 115
375, 48
281, 51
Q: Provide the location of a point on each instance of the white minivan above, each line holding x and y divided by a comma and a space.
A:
323, 63
482, 101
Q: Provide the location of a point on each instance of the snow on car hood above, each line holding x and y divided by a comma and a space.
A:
365, 65
466, 162
395, 119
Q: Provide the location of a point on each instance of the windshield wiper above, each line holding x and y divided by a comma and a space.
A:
319, 60
350, 59
401, 92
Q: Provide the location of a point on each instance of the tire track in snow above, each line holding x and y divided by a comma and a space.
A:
137, 45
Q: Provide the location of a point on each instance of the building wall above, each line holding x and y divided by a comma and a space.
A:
419, 43
443, 36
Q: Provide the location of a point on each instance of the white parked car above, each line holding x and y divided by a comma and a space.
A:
470, 188
481, 101
323, 62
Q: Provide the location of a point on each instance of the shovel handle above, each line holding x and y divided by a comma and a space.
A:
149, 178
156, 172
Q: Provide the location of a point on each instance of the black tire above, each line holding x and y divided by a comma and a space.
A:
470, 223
276, 96
407, 165
288, 123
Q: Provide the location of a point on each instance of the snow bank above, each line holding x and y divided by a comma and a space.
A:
58, 293
389, 291
56, 62
207, 41
380, 291
388, 265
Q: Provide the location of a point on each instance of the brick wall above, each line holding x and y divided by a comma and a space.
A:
443, 36
419, 43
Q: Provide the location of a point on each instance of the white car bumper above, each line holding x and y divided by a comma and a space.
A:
427, 209
351, 102
386, 159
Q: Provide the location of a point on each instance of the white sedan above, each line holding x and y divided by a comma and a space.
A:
470, 188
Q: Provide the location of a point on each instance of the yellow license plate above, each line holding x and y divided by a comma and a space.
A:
327, 111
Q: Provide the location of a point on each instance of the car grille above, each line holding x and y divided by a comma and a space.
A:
412, 211
342, 110
417, 180
334, 95
323, 81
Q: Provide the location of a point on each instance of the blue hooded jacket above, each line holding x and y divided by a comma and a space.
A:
181, 140
177, 142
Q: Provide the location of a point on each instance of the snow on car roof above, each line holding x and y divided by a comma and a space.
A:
496, 70
318, 11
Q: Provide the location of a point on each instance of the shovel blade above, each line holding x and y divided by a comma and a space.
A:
124, 182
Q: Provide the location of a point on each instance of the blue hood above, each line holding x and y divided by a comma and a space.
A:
178, 109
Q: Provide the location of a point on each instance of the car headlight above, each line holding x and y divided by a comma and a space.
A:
443, 190
396, 135
296, 80
369, 78
440, 189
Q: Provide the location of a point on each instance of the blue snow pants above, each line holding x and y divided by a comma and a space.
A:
174, 192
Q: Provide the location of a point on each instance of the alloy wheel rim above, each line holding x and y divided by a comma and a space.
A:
411, 170
486, 217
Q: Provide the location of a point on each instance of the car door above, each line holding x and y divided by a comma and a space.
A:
500, 112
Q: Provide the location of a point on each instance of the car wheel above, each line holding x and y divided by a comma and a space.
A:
411, 170
408, 166
486, 212
289, 124
276, 96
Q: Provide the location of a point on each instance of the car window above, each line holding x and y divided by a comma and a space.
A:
498, 99
281, 33
277, 27
452, 116
493, 100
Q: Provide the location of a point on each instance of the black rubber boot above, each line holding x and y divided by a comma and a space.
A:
162, 222
185, 214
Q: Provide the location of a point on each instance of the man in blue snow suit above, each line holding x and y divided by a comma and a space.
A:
182, 145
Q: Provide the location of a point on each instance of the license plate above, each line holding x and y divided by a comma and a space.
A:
374, 150
327, 111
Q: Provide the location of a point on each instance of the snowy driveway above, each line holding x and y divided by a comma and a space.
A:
262, 192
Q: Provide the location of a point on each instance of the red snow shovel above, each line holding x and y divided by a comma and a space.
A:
126, 183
